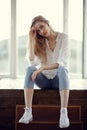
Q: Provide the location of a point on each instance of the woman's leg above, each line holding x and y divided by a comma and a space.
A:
64, 96
29, 87
63, 86
42, 82
28, 96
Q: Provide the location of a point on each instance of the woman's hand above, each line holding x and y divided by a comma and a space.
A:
32, 33
35, 73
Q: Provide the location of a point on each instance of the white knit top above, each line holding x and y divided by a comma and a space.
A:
60, 55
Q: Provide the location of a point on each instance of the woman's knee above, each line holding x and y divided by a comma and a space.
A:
29, 72
62, 70
30, 69
28, 83
63, 78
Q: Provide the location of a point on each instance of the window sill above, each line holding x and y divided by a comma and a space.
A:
75, 84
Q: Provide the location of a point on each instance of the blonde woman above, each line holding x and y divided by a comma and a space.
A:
50, 50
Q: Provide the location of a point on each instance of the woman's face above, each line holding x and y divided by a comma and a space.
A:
42, 29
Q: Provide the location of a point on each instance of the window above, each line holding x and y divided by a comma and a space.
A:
17, 16
5, 28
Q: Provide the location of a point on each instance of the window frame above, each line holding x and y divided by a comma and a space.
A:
84, 58
13, 49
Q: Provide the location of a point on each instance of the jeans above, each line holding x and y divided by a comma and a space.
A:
60, 81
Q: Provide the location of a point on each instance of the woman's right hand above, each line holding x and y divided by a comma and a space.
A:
32, 33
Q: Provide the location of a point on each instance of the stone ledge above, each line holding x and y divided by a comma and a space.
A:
75, 84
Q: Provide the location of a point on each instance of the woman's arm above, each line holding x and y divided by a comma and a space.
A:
31, 43
48, 67
31, 50
31, 57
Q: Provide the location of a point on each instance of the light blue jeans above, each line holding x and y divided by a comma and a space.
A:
60, 81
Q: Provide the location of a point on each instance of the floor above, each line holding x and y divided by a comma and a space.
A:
75, 84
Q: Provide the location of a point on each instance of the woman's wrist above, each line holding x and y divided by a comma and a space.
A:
42, 68
50, 67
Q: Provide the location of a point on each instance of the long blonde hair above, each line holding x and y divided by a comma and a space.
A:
40, 42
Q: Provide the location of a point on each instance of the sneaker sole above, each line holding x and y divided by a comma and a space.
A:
26, 122
65, 126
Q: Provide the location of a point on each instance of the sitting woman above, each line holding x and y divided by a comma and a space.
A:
49, 49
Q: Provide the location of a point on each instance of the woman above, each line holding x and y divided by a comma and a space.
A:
50, 50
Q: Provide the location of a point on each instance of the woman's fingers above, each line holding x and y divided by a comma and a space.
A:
34, 76
35, 73
32, 33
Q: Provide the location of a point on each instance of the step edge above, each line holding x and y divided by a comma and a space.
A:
51, 122
58, 106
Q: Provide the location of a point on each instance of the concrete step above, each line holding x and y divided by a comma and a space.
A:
49, 113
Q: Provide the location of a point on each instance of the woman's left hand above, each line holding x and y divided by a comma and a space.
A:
35, 73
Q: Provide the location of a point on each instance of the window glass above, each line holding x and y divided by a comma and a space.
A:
5, 16
75, 34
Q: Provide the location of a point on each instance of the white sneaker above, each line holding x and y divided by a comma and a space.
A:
64, 120
27, 116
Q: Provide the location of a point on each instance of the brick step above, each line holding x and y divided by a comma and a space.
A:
49, 113
44, 125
